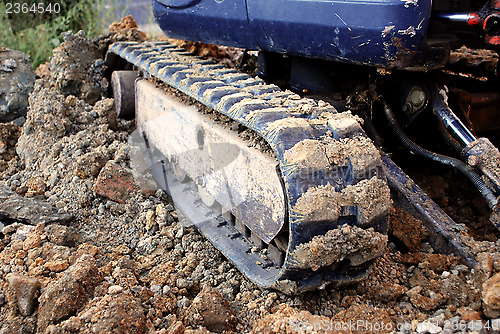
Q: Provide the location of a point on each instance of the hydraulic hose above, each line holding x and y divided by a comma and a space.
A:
452, 142
445, 160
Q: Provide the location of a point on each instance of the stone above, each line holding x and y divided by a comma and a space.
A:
28, 210
491, 297
436, 262
90, 164
61, 235
25, 290
17, 79
115, 182
84, 249
176, 328
114, 289
57, 266
69, 293
469, 314
211, 310
390, 291
33, 240
183, 283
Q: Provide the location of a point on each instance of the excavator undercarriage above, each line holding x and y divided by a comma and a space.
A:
288, 173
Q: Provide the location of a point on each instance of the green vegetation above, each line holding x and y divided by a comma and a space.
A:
39, 41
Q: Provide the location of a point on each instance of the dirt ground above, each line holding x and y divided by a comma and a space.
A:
90, 257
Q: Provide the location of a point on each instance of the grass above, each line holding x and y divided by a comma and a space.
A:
39, 41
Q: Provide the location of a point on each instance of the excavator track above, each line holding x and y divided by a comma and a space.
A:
335, 197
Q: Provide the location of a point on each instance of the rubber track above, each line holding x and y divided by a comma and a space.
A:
251, 102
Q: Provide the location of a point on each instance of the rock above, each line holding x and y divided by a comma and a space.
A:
61, 235
390, 291
72, 325
439, 262
469, 314
211, 310
122, 250
57, 266
66, 295
176, 328
114, 289
33, 240
491, 297
76, 68
183, 283
156, 289
436, 262
25, 290
84, 249
16, 83
119, 313
89, 164
28, 210
115, 182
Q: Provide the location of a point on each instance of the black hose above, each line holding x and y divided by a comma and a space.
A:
445, 160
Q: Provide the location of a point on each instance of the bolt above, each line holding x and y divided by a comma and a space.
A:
407, 108
473, 160
200, 180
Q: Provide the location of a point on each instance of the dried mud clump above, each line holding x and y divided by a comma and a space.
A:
307, 154
344, 242
77, 68
372, 197
320, 203
358, 152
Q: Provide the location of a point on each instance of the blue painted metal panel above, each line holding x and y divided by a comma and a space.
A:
385, 33
368, 32
215, 21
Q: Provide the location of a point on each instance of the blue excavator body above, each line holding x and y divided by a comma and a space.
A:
384, 33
